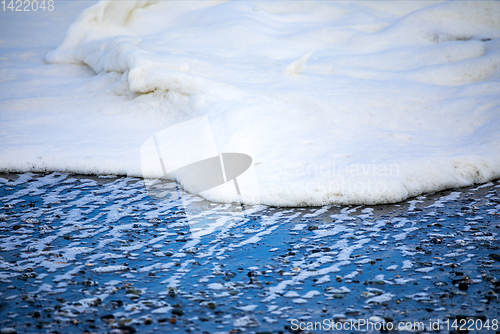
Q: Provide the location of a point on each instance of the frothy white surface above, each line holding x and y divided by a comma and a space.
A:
362, 102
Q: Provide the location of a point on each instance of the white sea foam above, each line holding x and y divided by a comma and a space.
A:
361, 102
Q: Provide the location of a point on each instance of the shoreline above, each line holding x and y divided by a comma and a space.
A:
97, 177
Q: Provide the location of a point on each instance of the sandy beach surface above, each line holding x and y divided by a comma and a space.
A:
82, 254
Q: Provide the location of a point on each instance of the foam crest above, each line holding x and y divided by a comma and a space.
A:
334, 102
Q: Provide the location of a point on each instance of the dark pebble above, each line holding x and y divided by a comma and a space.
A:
108, 318
495, 257
116, 303
177, 311
127, 329
462, 317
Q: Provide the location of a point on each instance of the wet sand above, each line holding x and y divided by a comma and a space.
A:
81, 254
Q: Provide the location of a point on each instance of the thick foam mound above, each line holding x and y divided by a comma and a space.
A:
362, 102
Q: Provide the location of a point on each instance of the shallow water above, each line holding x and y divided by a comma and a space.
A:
101, 254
